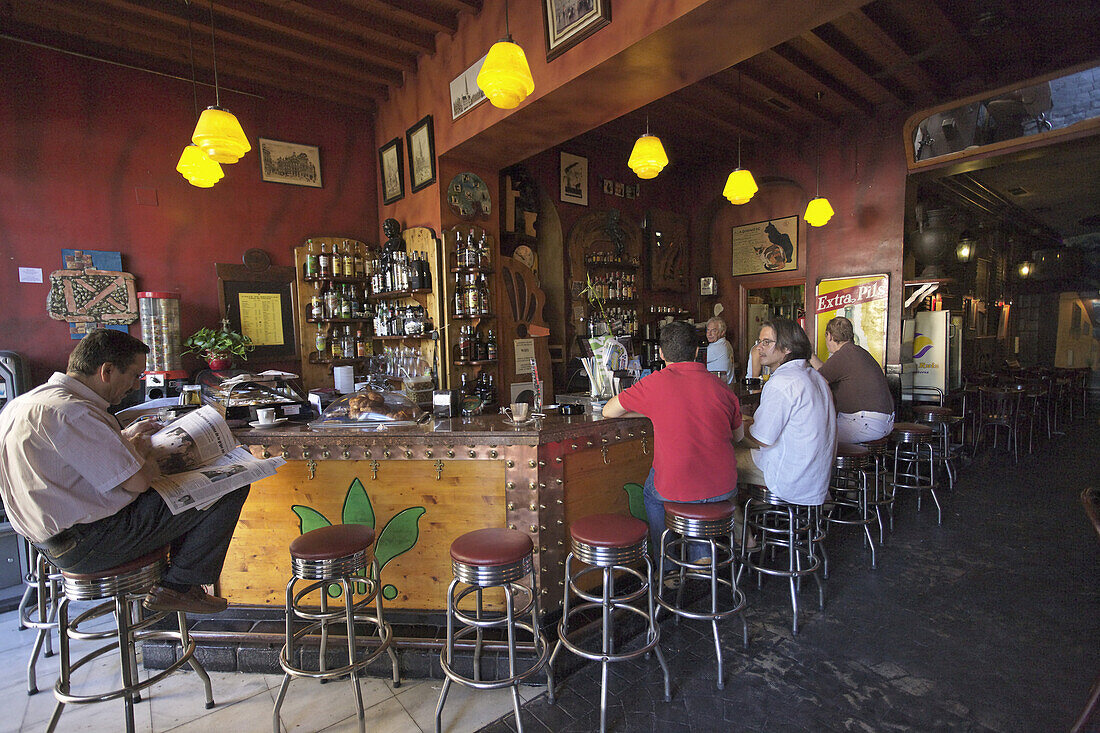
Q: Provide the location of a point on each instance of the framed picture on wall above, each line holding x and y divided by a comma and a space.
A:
390, 166
298, 165
574, 179
421, 141
568, 22
465, 93
766, 246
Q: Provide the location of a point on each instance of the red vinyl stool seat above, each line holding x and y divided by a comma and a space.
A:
330, 543
491, 547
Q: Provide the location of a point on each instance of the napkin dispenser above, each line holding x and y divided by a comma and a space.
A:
447, 403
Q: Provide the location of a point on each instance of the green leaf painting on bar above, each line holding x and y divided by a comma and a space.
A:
396, 538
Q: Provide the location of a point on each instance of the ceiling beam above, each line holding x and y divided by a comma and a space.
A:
813, 47
794, 66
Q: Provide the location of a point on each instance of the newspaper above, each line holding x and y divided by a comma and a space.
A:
203, 462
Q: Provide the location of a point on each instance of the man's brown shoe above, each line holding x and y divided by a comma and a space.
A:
196, 600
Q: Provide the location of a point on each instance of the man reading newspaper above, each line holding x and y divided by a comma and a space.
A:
78, 486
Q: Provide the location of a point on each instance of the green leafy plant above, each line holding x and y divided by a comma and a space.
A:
397, 537
220, 343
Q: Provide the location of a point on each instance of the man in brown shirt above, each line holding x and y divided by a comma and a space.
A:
865, 408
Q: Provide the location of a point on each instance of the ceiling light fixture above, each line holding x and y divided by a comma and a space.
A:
964, 252
505, 77
819, 210
740, 185
648, 157
195, 165
218, 132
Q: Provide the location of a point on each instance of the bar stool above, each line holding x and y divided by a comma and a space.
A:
43, 582
791, 528
608, 543
851, 491
709, 524
323, 558
122, 589
914, 462
480, 560
883, 494
941, 420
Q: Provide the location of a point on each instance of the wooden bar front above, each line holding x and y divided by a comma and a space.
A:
420, 487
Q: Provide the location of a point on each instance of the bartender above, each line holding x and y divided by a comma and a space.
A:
719, 351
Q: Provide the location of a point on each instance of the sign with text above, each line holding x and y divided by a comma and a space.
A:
863, 300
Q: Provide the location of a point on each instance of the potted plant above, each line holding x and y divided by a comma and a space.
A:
219, 346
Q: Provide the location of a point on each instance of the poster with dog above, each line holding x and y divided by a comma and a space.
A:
766, 246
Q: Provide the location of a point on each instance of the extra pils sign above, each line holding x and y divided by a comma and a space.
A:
852, 296
862, 300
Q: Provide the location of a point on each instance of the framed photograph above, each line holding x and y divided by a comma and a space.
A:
574, 179
421, 140
608, 186
766, 246
568, 22
465, 93
390, 166
298, 165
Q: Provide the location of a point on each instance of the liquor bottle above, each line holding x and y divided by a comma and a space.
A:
359, 263
425, 273
484, 255
349, 260
350, 350
460, 298
321, 342
336, 346
317, 303
360, 344
482, 348
491, 345
465, 344
471, 306
332, 303
312, 264
324, 262
482, 295
337, 261
345, 302
465, 383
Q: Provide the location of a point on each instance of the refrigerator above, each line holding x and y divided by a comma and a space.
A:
932, 344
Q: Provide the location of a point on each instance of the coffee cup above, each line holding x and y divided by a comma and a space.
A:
518, 412
265, 415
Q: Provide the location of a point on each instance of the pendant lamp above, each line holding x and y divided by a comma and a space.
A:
819, 210
648, 156
740, 185
505, 77
218, 132
194, 164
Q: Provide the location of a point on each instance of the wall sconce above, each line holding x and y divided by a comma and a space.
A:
1025, 269
964, 252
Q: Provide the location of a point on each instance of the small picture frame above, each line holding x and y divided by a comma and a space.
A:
620, 189
568, 22
608, 186
707, 286
574, 179
297, 165
421, 141
391, 168
465, 93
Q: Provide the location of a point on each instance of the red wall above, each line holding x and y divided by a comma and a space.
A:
80, 139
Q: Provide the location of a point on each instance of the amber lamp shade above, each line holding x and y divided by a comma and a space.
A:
219, 134
505, 76
648, 157
197, 168
740, 187
818, 212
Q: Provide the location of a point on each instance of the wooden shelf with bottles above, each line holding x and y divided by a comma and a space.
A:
465, 264
420, 243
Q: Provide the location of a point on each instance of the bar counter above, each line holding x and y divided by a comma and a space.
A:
421, 486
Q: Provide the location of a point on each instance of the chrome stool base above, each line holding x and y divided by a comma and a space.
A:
133, 623
915, 466
44, 582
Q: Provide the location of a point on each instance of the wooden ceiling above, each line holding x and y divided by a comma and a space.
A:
889, 54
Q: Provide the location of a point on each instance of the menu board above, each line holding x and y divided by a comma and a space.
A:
262, 317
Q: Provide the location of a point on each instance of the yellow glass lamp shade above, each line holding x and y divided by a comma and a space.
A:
220, 135
818, 212
648, 157
197, 168
505, 76
740, 187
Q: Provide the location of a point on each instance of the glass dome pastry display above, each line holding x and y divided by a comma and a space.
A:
370, 407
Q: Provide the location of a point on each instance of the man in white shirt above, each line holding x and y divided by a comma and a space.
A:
795, 425
77, 486
719, 351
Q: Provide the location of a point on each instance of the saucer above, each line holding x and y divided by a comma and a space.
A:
517, 423
263, 425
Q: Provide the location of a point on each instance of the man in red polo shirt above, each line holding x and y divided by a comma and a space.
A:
696, 421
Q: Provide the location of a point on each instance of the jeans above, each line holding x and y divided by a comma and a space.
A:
199, 539
655, 515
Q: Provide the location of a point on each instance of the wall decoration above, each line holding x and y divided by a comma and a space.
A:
298, 165
258, 299
92, 292
568, 22
465, 93
862, 300
391, 168
421, 141
574, 179
468, 196
766, 246
667, 235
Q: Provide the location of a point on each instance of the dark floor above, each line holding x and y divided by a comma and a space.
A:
990, 622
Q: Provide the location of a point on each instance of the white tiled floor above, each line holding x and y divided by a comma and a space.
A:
244, 702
